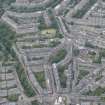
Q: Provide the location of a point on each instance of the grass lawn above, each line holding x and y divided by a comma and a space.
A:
13, 98
50, 33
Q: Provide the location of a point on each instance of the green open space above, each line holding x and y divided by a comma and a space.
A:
7, 38
53, 43
49, 33
102, 98
60, 55
35, 103
34, 46
97, 92
53, 28
40, 76
62, 76
13, 98
28, 90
